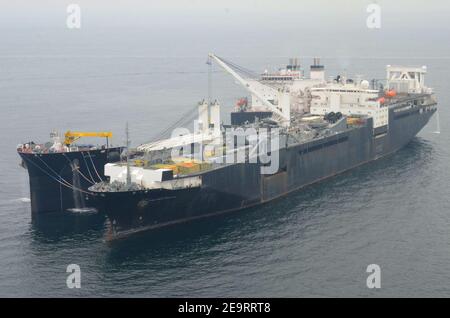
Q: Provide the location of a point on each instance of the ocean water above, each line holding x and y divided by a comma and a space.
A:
316, 242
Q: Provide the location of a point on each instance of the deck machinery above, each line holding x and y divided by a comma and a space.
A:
61, 171
293, 132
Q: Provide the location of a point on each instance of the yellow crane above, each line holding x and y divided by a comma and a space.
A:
72, 136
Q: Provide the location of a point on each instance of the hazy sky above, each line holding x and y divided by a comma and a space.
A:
276, 14
233, 27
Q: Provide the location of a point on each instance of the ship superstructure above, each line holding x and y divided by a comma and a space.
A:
294, 131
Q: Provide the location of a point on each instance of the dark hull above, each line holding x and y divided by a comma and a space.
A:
241, 186
48, 174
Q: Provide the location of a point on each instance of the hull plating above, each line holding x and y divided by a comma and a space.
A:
240, 186
48, 174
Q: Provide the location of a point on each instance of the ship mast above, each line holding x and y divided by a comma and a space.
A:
209, 63
127, 134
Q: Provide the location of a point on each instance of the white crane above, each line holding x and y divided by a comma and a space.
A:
280, 111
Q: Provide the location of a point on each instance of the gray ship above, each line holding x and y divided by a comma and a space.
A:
293, 131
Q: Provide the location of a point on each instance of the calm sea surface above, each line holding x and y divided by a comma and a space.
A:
318, 242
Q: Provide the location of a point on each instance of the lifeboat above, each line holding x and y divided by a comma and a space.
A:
242, 104
391, 93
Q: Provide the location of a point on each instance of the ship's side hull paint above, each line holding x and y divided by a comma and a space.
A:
239, 186
48, 172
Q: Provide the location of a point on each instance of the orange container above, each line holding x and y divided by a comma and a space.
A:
174, 168
188, 167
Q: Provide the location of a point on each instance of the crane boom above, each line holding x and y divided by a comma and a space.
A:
72, 136
247, 85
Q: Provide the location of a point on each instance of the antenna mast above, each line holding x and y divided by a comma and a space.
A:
127, 134
209, 62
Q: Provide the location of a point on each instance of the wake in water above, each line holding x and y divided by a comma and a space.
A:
438, 124
24, 200
78, 198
